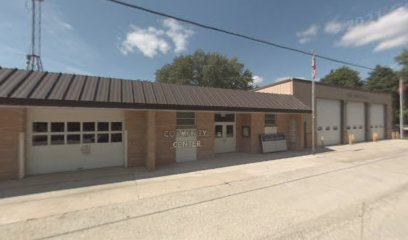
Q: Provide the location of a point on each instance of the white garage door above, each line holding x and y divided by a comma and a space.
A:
355, 120
71, 139
376, 120
328, 122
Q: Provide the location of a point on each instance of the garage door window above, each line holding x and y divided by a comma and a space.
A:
58, 133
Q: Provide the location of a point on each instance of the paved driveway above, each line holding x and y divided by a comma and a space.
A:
347, 192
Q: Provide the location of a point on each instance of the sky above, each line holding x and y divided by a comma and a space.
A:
97, 37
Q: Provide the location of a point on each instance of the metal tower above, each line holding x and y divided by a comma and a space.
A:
34, 57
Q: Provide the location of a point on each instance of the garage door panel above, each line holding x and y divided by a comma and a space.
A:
328, 122
355, 122
376, 121
72, 139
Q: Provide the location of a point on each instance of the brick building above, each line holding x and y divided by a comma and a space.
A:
53, 122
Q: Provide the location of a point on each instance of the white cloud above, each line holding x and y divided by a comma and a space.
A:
308, 34
149, 41
66, 25
257, 79
153, 41
333, 27
178, 34
388, 31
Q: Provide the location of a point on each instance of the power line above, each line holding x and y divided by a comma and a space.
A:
237, 34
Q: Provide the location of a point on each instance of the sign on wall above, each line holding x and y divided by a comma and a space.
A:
183, 137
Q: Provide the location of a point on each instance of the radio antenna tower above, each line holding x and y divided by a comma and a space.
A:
34, 57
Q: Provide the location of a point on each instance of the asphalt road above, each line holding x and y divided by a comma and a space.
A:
353, 192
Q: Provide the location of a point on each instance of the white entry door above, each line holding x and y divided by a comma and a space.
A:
68, 139
225, 137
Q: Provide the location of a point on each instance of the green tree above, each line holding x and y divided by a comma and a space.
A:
385, 79
402, 59
206, 69
344, 76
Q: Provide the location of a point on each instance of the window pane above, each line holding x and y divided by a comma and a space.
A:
73, 126
103, 126
230, 131
88, 138
116, 126
185, 115
270, 119
219, 117
39, 140
116, 137
40, 126
218, 131
185, 122
57, 127
57, 139
88, 127
73, 139
103, 138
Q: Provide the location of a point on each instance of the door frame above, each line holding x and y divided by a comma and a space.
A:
233, 147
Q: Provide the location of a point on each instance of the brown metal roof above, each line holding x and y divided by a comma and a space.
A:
22, 87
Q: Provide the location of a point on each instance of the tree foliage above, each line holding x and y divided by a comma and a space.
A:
206, 69
382, 78
344, 76
402, 59
385, 79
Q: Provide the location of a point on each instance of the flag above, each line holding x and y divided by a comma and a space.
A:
314, 66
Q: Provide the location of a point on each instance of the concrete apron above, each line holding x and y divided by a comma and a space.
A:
44, 204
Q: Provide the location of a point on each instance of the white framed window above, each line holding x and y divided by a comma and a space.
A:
75, 132
185, 120
270, 120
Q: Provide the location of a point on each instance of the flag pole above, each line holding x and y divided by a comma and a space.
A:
314, 73
401, 120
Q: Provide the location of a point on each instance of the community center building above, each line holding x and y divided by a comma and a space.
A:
341, 112
53, 122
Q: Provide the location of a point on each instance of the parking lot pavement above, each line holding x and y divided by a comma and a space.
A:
349, 192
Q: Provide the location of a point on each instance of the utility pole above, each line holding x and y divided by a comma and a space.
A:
34, 57
314, 76
401, 93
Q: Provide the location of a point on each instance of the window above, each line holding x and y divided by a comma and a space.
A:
57, 127
88, 138
230, 131
270, 120
185, 120
39, 140
59, 133
57, 139
224, 117
103, 138
116, 126
116, 137
218, 131
40, 127
73, 139
88, 127
73, 126
103, 126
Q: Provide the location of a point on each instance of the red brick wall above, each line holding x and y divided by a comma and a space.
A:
135, 122
205, 121
283, 124
164, 152
256, 122
12, 122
